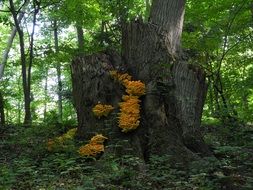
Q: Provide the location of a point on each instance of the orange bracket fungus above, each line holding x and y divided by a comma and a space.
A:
130, 107
122, 78
129, 113
135, 88
102, 110
94, 147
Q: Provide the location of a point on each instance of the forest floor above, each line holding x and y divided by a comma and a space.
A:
25, 163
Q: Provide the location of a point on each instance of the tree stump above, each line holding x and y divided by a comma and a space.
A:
170, 110
172, 107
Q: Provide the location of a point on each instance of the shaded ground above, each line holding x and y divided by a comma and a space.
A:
25, 163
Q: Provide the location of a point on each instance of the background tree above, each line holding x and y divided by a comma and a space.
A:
26, 72
218, 40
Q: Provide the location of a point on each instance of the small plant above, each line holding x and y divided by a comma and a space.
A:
61, 140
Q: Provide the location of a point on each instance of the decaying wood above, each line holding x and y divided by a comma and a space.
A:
170, 115
91, 85
175, 91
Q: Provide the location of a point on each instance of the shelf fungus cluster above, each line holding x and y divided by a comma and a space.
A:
129, 117
102, 110
130, 107
94, 147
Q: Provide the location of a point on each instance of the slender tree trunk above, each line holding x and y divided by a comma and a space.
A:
59, 93
211, 98
58, 69
10, 41
19, 101
2, 116
227, 114
45, 96
26, 92
7, 118
175, 91
8, 47
7, 50
36, 7
80, 36
79, 29
102, 33
147, 11
19, 111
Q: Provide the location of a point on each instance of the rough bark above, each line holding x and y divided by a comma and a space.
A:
92, 84
170, 122
175, 91
168, 16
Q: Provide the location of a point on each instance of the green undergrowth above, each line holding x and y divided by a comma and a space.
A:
25, 163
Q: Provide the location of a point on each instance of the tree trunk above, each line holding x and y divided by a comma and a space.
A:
58, 69
7, 50
147, 11
36, 7
10, 41
175, 91
45, 95
80, 36
27, 98
19, 111
2, 116
79, 28
20, 102
211, 98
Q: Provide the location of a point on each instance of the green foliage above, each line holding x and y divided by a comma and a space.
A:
217, 37
7, 176
26, 164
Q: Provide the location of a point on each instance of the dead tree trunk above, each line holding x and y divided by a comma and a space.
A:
175, 91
